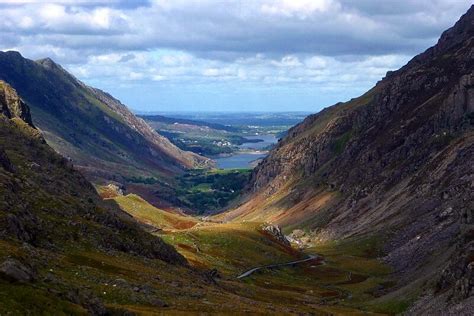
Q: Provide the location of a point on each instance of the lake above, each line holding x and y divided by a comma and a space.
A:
245, 159
267, 141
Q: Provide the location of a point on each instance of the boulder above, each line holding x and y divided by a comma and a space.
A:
14, 271
276, 232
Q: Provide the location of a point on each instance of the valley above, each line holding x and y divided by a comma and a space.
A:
363, 208
343, 278
235, 148
233, 140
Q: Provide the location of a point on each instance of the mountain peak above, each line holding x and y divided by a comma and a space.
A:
50, 64
46, 62
13, 54
462, 30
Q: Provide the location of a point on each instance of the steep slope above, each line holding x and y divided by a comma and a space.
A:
99, 133
48, 211
396, 163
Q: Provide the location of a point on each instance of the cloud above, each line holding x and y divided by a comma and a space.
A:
88, 3
324, 44
235, 28
299, 8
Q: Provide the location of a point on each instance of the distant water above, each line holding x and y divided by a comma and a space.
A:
244, 160
267, 141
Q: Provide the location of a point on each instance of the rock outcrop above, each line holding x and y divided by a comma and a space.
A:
12, 106
275, 232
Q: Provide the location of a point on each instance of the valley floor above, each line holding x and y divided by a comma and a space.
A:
344, 278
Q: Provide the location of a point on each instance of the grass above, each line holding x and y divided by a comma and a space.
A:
341, 142
364, 274
210, 190
345, 284
230, 248
80, 258
147, 213
20, 299
392, 307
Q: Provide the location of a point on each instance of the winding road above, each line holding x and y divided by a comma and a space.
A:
270, 266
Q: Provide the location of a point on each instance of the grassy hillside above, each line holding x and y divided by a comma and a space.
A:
148, 214
350, 281
60, 244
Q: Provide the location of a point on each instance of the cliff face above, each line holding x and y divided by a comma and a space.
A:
12, 106
396, 162
103, 138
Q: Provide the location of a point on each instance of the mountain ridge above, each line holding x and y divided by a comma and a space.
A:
90, 126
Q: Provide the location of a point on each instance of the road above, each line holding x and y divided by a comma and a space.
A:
249, 272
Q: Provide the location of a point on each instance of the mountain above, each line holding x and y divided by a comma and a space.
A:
51, 216
103, 138
396, 165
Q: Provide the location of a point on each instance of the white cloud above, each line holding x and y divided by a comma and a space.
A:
289, 61
158, 78
299, 8
324, 44
316, 62
52, 12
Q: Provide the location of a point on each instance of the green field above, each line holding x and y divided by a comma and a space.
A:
207, 191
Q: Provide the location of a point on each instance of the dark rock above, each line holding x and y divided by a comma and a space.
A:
14, 271
121, 283
214, 273
50, 278
448, 212
23, 226
146, 289
5, 163
86, 299
12, 106
155, 301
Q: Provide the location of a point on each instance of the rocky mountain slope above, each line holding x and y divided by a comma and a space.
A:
48, 213
95, 130
397, 165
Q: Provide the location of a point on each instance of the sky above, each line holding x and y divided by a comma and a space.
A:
227, 55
